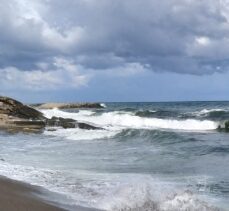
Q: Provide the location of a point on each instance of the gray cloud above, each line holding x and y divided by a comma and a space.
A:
184, 36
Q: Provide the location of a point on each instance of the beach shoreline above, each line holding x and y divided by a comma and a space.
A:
20, 196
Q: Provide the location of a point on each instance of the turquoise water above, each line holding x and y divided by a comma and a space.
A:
150, 156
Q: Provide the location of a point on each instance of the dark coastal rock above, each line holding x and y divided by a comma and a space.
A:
224, 128
67, 105
16, 117
226, 124
29, 124
69, 123
15, 108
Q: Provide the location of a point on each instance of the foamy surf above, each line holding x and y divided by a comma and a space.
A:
205, 112
128, 120
80, 134
111, 192
103, 105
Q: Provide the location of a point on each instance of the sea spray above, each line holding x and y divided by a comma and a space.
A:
127, 120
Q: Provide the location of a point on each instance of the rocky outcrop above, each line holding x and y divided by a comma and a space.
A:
224, 127
66, 105
21, 125
15, 116
15, 108
69, 123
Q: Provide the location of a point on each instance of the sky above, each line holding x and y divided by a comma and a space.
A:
114, 50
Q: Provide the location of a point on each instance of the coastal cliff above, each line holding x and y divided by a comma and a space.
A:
15, 116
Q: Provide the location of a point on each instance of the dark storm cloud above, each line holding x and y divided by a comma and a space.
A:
184, 36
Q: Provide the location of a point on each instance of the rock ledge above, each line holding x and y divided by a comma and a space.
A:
16, 117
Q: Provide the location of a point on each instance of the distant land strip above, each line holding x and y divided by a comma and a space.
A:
66, 105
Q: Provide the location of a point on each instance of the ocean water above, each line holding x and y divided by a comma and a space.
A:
149, 156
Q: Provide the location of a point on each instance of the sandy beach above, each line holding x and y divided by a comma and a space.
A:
21, 197
18, 196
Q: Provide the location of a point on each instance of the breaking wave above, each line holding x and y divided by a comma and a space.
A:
124, 120
103, 105
215, 114
80, 134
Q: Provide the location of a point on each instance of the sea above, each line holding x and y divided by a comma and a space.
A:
148, 156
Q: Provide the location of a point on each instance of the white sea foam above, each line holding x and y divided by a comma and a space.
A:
80, 134
112, 192
128, 120
211, 110
86, 112
103, 105
204, 112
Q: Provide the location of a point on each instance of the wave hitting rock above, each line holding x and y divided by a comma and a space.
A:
15, 117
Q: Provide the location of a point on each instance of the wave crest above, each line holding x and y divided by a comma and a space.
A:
129, 120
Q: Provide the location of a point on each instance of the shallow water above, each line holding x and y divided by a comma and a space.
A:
150, 156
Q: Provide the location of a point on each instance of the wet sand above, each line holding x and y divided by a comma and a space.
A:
18, 196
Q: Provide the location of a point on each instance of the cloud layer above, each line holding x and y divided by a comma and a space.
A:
182, 36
